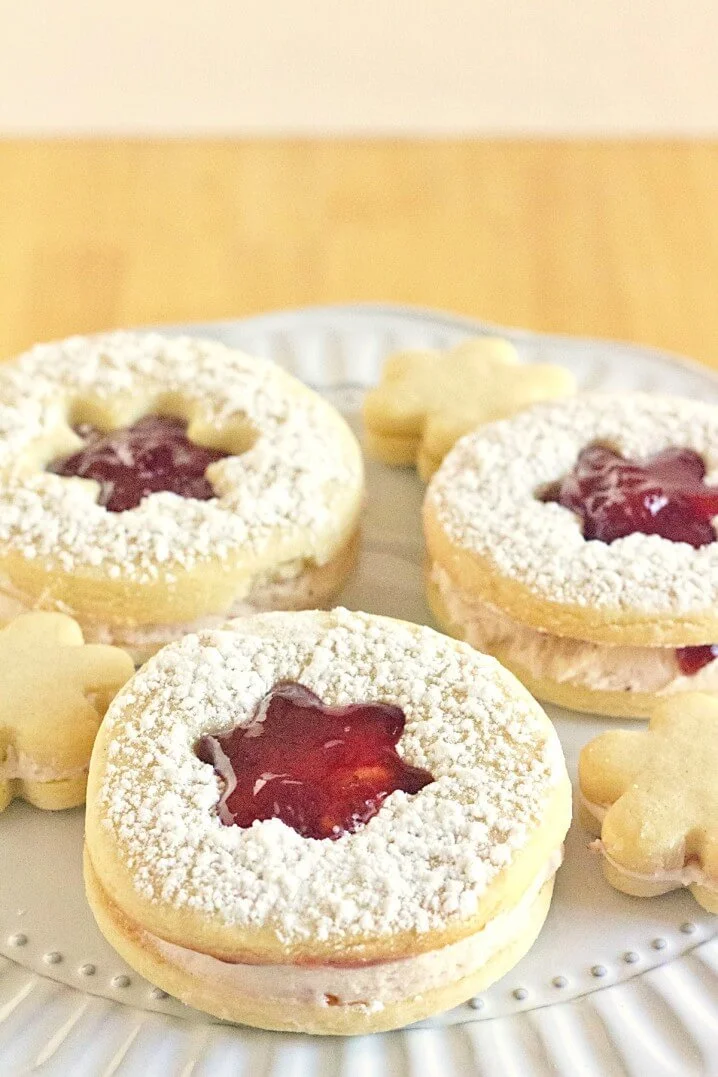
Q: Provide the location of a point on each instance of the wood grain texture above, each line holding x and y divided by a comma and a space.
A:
607, 239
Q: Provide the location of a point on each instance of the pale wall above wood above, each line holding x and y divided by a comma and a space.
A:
467, 66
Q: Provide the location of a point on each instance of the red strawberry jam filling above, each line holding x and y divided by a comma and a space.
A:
322, 770
152, 455
691, 660
664, 495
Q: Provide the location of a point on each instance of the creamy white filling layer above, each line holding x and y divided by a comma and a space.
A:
17, 766
596, 666
598, 811
369, 987
672, 878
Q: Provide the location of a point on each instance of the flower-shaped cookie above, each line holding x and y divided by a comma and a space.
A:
427, 400
655, 794
54, 691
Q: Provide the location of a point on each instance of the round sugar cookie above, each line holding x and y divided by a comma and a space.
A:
152, 486
324, 822
576, 542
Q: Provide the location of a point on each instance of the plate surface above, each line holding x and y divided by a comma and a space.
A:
613, 985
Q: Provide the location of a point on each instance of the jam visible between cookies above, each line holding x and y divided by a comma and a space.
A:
664, 495
322, 770
152, 455
692, 660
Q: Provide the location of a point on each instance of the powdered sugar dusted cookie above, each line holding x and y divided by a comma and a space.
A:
54, 691
151, 486
653, 796
577, 543
341, 823
427, 400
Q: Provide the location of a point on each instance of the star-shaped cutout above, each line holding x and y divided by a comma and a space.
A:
54, 691
427, 400
659, 791
154, 454
322, 770
663, 495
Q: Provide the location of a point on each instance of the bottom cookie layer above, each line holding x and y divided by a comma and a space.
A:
623, 703
313, 588
50, 796
398, 451
217, 987
585, 700
641, 884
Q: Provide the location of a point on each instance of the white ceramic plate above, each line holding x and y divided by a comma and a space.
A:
614, 985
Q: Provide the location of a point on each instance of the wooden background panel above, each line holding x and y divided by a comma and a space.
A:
607, 239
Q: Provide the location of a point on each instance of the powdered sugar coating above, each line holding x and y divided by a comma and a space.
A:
422, 860
484, 498
300, 462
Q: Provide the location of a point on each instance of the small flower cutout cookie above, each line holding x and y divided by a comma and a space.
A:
655, 795
54, 691
427, 400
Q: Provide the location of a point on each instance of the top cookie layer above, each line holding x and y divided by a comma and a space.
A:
294, 479
487, 527
423, 863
